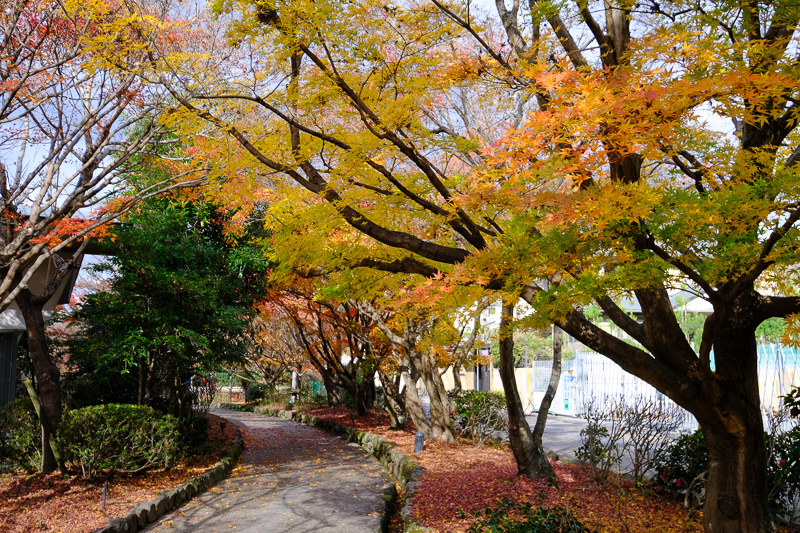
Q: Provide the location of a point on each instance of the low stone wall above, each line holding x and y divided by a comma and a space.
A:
404, 469
145, 513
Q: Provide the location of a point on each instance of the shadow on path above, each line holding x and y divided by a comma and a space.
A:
291, 478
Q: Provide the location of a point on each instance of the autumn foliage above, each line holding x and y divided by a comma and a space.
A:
574, 155
459, 480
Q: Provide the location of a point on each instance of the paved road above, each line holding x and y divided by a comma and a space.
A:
562, 434
291, 478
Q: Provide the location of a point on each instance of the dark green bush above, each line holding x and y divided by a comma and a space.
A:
592, 450
480, 414
512, 517
255, 392
20, 436
118, 438
685, 459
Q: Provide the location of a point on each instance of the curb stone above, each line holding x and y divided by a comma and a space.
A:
147, 512
401, 468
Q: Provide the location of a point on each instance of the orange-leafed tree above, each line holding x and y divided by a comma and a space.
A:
334, 337
659, 151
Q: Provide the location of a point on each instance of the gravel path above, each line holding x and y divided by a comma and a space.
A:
291, 478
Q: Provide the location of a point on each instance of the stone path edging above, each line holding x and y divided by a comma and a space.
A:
144, 513
404, 469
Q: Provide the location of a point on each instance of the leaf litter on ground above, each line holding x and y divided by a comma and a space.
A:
37, 502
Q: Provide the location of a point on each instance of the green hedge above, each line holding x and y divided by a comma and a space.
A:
117, 437
20, 436
481, 415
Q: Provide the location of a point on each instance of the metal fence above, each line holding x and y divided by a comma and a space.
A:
589, 375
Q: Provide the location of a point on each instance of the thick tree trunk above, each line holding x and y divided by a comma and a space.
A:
413, 401
185, 396
441, 421
528, 453
47, 375
37, 406
736, 484
736, 488
552, 387
359, 393
366, 393
331, 389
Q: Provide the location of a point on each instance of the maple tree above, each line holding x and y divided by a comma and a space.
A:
620, 182
413, 333
351, 342
71, 120
335, 339
272, 352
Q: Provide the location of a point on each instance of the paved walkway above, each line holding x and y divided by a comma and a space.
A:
562, 434
291, 478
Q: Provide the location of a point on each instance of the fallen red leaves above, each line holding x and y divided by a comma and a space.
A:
459, 480
71, 505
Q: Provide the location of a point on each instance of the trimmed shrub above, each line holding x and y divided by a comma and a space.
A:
512, 517
117, 437
20, 436
480, 414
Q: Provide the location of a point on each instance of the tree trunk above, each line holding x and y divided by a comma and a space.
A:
395, 404
457, 378
331, 389
439, 397
528, 453
143, 372
413, 401
170, 392
366, 393
47, 375
358, 392
552, 387
148, 384
185, 395
37, 406
440, 421
736, 484
736, 488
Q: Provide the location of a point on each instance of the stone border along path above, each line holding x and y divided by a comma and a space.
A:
403, 469
142, 513
296, 478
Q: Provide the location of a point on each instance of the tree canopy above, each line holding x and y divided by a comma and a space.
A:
615, 150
